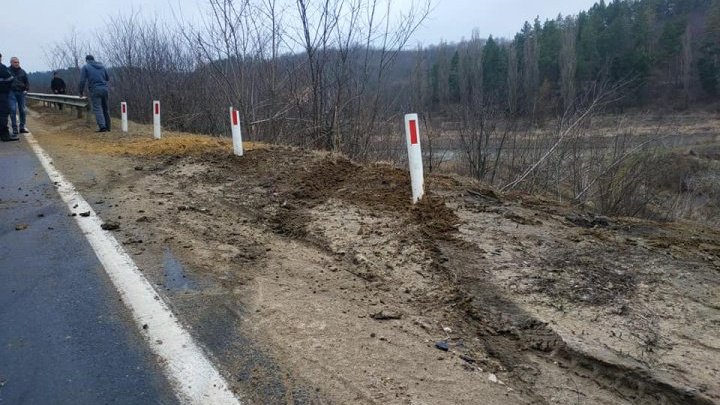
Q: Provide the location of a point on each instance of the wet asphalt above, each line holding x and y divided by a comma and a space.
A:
65, 336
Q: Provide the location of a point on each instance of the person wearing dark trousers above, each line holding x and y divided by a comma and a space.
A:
57, 85
96, 77
18, 90
6, 80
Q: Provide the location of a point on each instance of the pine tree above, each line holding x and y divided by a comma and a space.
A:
709, 59
494, 69
454, 78
549, 44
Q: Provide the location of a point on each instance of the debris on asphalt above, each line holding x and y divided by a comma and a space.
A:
110, 226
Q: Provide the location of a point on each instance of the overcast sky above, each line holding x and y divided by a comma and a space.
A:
30, 26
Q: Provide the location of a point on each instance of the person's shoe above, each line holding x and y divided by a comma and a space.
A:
24, 131
101, 130
15, 131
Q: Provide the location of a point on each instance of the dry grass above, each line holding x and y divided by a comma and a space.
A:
640, 123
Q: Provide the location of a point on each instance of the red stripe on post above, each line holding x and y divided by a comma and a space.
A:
413, 132
157, 108
235, 118
123, 108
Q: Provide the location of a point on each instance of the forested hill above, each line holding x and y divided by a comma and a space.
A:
668, 49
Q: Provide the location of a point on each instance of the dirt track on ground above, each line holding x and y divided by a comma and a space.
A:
312, 279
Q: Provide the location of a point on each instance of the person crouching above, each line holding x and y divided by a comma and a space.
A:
96, 77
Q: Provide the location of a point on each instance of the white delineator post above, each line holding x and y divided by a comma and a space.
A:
236, 133
123, 115
156, 119
412, 133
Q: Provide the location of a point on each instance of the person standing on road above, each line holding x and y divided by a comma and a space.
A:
18, 90
6, 80
96, 77
57, 85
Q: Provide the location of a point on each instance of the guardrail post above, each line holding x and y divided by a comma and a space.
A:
412, 132
156, 120
123, 116
236, 133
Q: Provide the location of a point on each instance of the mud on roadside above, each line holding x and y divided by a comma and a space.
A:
317, 281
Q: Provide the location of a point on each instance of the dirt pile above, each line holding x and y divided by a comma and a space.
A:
315, 279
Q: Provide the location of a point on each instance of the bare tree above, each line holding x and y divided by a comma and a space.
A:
512, 80
569, 124
348, 47
68, 54
441, 75
568, 62
531, 72
686, 60
471, 72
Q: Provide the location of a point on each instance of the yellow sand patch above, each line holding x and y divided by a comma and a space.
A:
169, 145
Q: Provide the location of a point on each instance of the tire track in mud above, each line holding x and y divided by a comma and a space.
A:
513, 338
508, 334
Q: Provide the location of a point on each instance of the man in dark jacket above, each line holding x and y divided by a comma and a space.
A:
6, 80
57, 85
96, 77
19, 89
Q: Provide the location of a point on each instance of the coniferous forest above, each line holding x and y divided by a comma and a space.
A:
665, 52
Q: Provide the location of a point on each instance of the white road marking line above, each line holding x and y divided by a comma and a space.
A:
194, 377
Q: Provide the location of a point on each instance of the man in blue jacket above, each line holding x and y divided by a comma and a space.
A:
6, 80
96, 77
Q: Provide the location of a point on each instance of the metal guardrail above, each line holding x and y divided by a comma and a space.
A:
80, 103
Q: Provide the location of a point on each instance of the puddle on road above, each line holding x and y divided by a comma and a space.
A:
175, 278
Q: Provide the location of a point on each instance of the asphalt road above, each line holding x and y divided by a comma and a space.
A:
65, 336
